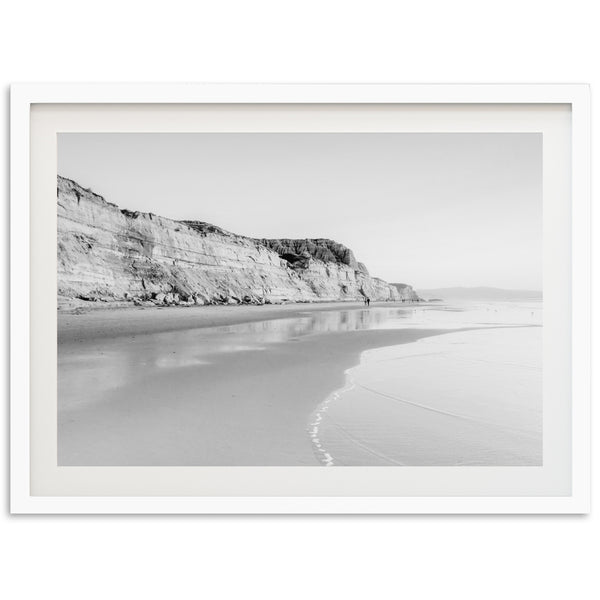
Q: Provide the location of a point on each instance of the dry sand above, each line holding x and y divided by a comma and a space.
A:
94, 323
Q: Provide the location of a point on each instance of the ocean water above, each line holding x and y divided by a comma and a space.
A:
462, 398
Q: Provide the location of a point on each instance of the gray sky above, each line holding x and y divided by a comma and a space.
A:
432, 210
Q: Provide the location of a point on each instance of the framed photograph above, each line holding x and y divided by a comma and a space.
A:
300, 298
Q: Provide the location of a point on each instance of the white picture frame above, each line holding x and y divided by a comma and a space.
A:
26, 426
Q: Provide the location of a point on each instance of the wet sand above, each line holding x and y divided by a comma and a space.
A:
190, 393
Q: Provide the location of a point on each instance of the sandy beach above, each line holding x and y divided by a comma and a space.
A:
223, 385
215, 385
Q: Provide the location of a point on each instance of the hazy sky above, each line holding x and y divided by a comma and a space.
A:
428, 209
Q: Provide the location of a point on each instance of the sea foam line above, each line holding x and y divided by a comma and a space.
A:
313, 428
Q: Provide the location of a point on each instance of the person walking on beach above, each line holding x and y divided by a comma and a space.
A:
368, 301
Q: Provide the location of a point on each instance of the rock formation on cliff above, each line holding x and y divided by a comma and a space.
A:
108, 253
295, 251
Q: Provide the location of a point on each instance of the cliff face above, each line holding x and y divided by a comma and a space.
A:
112, 254
406, 292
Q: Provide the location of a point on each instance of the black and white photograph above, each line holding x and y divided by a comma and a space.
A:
299, 299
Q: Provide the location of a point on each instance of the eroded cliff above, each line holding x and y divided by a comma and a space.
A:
110, 254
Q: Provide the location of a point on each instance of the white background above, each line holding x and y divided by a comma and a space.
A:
298, 557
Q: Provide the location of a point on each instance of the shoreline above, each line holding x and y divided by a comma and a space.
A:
180, 396
248, 408
212, 386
